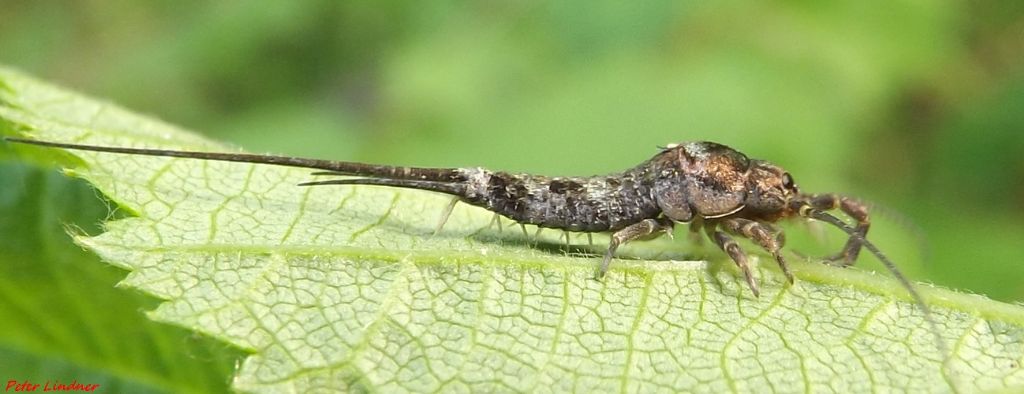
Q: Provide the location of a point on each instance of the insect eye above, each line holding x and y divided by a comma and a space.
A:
787, 181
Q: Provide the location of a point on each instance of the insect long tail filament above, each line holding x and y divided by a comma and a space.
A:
455, 189
328, 167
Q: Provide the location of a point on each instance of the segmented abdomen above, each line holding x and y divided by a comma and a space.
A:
591, 204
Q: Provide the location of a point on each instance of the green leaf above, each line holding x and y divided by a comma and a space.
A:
345, 287
63, 320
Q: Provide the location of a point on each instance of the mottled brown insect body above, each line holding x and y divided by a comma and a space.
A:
591, 204
700, 179
710, 186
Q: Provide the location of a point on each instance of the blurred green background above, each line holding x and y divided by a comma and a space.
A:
915, 105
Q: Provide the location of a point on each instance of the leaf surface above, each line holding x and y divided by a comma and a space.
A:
63, 320
346, 288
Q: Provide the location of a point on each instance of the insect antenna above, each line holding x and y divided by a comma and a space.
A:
827, 218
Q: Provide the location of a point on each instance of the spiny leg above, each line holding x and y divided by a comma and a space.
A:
566, 234
729, 246
859, 212
526, 235
590, 239
632, 232
763, 234
445, 214
855, 210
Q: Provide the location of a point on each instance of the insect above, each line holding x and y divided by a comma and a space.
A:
710, 186
713, 188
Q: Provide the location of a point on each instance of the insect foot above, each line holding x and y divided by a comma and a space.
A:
635, 231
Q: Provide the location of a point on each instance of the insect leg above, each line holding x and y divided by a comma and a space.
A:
764, 234
632, 232
497, 221
855, 210
729, 245
445, 214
